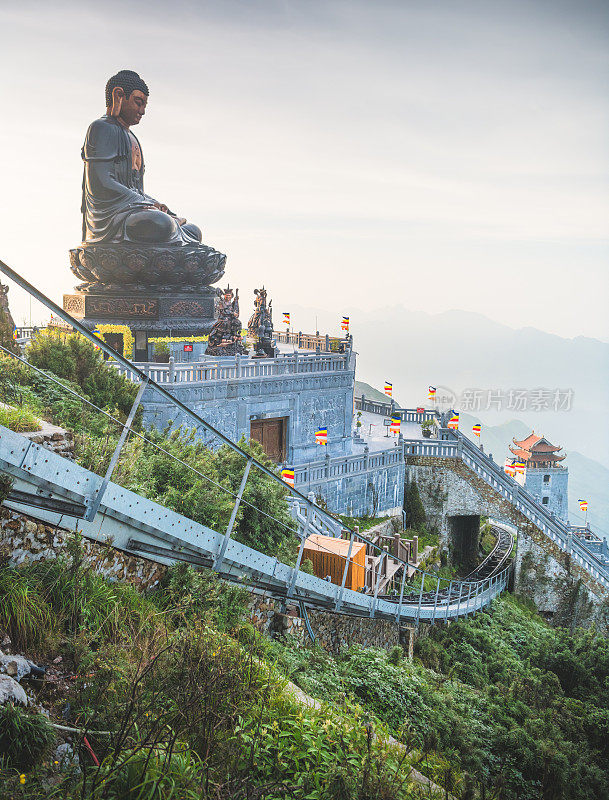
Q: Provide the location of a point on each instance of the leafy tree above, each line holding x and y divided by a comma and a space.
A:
415, 512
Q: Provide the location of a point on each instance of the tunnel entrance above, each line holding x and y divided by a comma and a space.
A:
464, 535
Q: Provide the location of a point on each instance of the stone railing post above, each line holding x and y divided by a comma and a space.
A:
299, 338
414, 549
172, 369
366, 456
327, 343
237, 365
327, 464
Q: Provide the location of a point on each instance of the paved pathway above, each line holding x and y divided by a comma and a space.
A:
374, 432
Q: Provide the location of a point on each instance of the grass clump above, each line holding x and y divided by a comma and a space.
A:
363, 523
25, 613
24, 738
18, 419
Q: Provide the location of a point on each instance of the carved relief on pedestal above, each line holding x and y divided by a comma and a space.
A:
122, 307
187, 308
74, 304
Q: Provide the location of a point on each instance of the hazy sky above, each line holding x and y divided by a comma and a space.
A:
445, 154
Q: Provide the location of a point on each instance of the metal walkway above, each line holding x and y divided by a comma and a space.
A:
58, 491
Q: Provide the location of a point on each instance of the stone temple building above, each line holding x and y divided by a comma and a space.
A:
545, 477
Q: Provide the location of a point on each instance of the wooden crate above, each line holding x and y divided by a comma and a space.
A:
328, 557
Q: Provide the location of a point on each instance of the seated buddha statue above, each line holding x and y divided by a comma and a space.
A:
115, 207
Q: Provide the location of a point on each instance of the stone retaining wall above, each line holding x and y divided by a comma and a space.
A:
333, 632
378, 491
53, 438
560, 588
24, 539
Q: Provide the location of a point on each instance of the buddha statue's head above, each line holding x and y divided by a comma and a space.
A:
126, 97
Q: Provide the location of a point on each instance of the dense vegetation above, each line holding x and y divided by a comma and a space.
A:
173, 697
518, 709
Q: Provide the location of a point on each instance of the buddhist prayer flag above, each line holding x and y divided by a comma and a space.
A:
321, 436
286, 317
583, 505
395, 425
453, 422
345, 324
509, 468
287, 475
432, 393
15, 332
519, 466
96, 332
388, 388
476, 429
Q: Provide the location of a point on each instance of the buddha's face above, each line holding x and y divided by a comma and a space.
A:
133, 108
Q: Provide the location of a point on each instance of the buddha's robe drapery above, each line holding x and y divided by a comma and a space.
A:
112, 188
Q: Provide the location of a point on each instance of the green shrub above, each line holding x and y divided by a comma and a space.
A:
152, 773
322, 755
187, 592
82, 600
24, 737
161, 349
207, 495
264, 521
74, 358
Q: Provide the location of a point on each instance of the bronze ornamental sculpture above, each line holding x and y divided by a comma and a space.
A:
134, 247
260, 326
225, 336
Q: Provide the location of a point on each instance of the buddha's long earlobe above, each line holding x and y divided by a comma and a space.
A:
117, 101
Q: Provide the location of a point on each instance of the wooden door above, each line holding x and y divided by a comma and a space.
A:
271, 435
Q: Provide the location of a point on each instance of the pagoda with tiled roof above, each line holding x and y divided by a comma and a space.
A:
537, 452
544, 476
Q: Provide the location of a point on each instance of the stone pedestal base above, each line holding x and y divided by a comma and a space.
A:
159, 314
